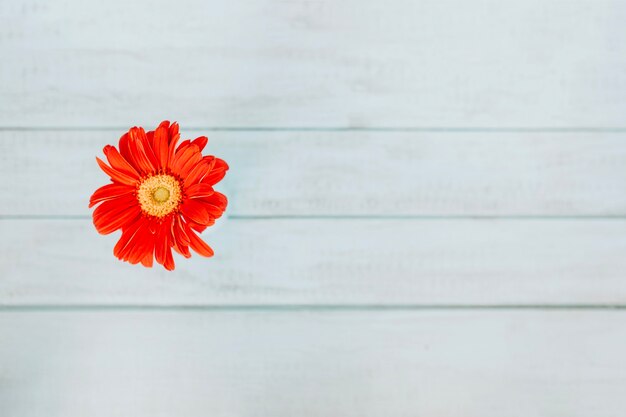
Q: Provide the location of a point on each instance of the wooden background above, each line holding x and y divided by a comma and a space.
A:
427, 209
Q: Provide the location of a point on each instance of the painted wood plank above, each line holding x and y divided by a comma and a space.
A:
314, 63
379, 262
348, 173
475, 364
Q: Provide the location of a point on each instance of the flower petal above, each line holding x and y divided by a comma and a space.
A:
217, 172
124, 147
215, 204
195, 211
178, 230
161, 145
217, 199
137, 144
198, 244
202, 168
140, 245
180, 241
183, 250
200, 227
118, 162
162, 243
200, 190
183, 145
114, 214
173, 140
174, 128
122, 248
200, 142
169, 260
147, 260
186, 159
109, 192
115, 175
148, 147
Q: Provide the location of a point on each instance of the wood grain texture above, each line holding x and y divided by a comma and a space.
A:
314, 63
475, 364
359, 273
348, 173
378, 262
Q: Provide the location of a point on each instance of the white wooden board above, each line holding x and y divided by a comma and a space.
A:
348, 173
343, 261
431, 221
223, 364
449, 63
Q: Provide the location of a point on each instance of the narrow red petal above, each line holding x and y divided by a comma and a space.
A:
165, 124
162, 241
179, 237
215, 204
195, 211
186, 168
178, 229
200, 142
109, 192
115, 175
183, 250
153, 225
150, 138
185, 159
114, 214
202, 168
124, 147
198, 244
183, 145
217, 199
200, 190
173, 140
147, 260
169, 260
160, 247
121, 248
166, 229
215, 212
141, 245
174, 131
118, 162
137, 139
217, 173
148, 147
161, 145
201, 227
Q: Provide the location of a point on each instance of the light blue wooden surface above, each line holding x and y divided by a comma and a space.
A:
427, 209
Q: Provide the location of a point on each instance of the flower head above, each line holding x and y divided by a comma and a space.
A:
161, 195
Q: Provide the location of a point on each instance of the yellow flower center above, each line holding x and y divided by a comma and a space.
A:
159, 195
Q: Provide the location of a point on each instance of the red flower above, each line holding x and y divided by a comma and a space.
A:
160, 197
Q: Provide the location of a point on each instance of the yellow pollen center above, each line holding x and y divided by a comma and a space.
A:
159, 195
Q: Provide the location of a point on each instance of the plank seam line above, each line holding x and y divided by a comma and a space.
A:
431, 129
306, 307
348, 217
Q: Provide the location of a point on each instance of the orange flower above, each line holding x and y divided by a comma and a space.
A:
160, 197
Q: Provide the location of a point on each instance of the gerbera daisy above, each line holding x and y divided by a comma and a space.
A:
160, 196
